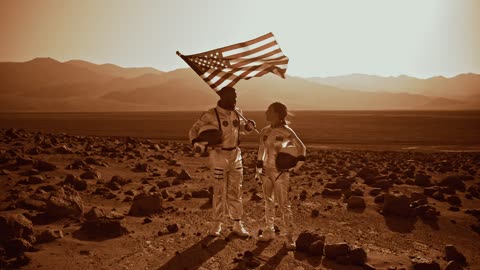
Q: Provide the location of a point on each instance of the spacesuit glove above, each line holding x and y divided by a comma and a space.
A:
258, 174
251, 125
296, 169
199, 147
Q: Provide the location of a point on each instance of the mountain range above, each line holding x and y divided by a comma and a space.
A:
45, 84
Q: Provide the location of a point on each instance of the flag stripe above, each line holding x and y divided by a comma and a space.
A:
251, 51
266, 56
231, 76
275, 54
260, 40
261, 62
245, 75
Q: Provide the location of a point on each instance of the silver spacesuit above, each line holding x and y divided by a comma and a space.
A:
275, 182
225, 162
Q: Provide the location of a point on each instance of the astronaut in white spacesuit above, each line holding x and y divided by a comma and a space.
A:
280, 153
218, 130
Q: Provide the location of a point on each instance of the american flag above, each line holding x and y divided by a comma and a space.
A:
226, 66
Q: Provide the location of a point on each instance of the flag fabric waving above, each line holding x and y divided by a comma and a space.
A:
226, 66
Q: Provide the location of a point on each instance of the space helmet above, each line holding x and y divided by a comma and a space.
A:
286, 158
210, 134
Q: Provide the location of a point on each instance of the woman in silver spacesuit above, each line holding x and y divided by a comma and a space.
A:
280, 153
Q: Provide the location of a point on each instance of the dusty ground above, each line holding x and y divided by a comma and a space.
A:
390, 241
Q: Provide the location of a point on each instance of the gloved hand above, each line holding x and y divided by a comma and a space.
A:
199, 147
296, 169
250, 125
258, 175
259, 171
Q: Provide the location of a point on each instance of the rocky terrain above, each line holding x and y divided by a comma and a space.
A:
84, 202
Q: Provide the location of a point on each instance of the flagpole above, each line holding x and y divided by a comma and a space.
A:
246, 120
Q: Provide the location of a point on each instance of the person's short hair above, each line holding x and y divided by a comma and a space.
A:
225, 90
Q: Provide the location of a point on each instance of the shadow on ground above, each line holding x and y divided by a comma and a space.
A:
197, 254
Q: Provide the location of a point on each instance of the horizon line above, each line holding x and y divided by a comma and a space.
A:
290, 75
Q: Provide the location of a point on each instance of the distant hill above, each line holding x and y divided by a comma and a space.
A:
45, 84
40, 73
458, 87
113, 70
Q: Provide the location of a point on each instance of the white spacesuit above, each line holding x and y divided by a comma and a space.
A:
275, 180
225, 162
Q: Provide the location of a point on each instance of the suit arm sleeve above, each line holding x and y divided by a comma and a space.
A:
302, 150
202, 121
261, 148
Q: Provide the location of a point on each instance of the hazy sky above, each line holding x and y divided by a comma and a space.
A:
322, 38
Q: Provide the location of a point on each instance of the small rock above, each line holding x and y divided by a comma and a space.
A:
343, 260
92, 161
379, 199
255, 197
163, 184
64, 202
355, 202
120, 180
333, 251
146, 204
17, 247
95, 213
397, 205
172, 228
103, 228
430, 190
114, 186
20, 261
454, 181
454, 200
438, 195
317, 247
130, 193
452, 254
35, 179
424, 264
187, 196
147, 220
343, 183
332, 192
141, 167
375, 191
44, 166
91, 175
15, 226
358, 256
63, 150
85, 252
171, 173
476, 227
306, 239
49, 235
202, 193
184, 175
77, 184
423, 180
